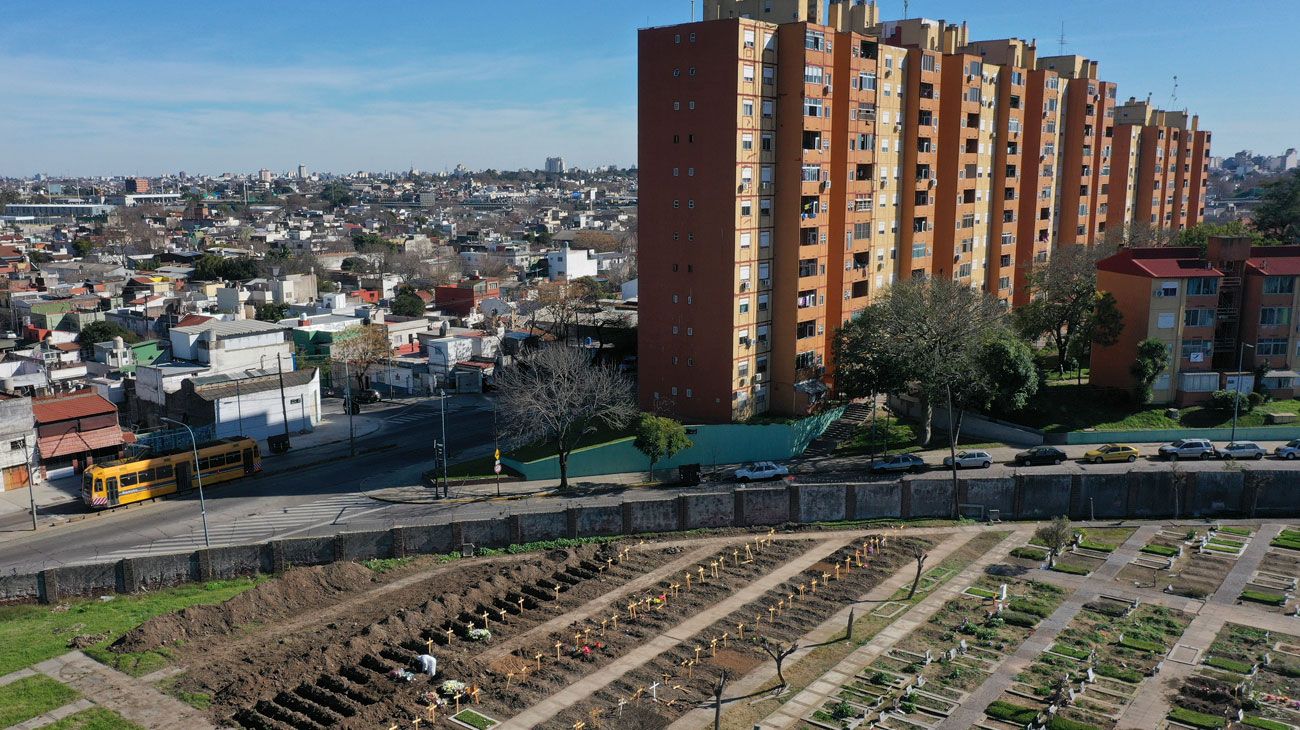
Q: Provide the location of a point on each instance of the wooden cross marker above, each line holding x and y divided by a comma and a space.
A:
393, 726
474, 692
602, 625
789, 597
771, 613
538, 657
690, 669
802, 586
688, 580
416, 722
450, 631
636, 696
429, 645
722, 561
579, 725
749, 555
814, 586
457, 697
771, 531
621, 703
713, 568
654, 692
614, 620
740, 629
698, 649
780, 606
713, 646
577, 638
725, 636
558, 644
485, 620
523, 670
631, 610
735, 556
609, 562
837, 571
758, 617
509, 677
557, 592
501, 615
432, 711
826, 577
701, 572
586, 634
521, 605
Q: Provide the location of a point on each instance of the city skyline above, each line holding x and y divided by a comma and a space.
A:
162, 89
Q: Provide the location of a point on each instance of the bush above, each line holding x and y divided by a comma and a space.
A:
1232, 665
1289, 544
1254, 400
1142, 645
1271, 599
1196, 719
1008, 712
1029, 553
1070, 651
843, 710
1264, 723
1163, 550
1025, 605
1132, 676
1101, 547
1223, 400
981, 592
1071, 569
1061, 723
1016, 618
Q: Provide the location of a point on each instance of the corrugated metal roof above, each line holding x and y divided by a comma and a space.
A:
75, 406
217, 387
79, 442
225, 328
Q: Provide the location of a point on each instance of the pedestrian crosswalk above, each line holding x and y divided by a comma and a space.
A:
255, 528
410, 416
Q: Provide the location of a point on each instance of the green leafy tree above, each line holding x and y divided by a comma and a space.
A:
1007, 377
102, 331
325, 286
272, 312
1152, 359
659, 437
1056, 535
1199, 235
218, 268
1103, 326
1278, 213
336, 194
1065, 293
407, 303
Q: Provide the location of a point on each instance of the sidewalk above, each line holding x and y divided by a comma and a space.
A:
414, 491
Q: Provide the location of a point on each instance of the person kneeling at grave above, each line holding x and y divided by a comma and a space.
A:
428, 664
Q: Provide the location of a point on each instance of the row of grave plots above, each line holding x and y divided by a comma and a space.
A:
675, 681
1249, 677
1093, 670
1089, 549
1188, 561
364, 679
927, 674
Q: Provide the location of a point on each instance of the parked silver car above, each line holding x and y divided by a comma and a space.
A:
1242, 450
1188, 449
1289, 450
970, 460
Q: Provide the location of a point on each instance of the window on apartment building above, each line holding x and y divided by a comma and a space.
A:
806, 298
1279, 285
807, 267
769, 41
814, 40
1198, 318
762, 302
861, 231
769, 75
813, 107
747, 141
745, 239
744, 306
927, 62
867, 81
769, 109
968, 196
812, 74
1202, 286
806, 329
749, 39
1004, 260
747, 73
968, 220
1197, 350
677, 106
765, 142
1271, 346
764, 239
964, 270
919, 251
747, 107
1275, 315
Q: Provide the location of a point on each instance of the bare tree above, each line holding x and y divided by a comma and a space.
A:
556, 395
779, 652
718, 687
1056, 535
920, 555
361, 346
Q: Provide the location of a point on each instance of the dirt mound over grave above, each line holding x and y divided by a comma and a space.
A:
297, 590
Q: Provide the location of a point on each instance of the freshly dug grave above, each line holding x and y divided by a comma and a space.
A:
269, 601
332, 672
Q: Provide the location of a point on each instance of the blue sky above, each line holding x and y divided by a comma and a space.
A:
147, 87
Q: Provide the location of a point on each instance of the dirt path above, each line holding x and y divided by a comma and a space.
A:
125, 695
576, 692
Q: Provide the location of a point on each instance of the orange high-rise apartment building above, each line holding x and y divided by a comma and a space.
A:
797, 158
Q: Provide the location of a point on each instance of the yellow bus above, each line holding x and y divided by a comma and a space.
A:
116, 483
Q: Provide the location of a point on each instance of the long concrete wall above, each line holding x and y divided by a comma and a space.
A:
1135, 495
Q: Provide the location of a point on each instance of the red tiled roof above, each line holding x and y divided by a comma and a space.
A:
67, 346
190, 320
79, 442
1274, 265
76, 406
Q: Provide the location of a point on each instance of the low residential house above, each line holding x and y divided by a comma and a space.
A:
567, 263
463, 297
75, 430
18, 442
255, 403
223, 346
116, 356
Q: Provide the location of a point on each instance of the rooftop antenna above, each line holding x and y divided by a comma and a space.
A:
1173, 98
906, 3
692, 11
1060, 41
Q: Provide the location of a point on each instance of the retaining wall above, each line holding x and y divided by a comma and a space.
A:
1255, 493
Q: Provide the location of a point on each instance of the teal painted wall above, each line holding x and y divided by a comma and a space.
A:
1254, 433
714, 444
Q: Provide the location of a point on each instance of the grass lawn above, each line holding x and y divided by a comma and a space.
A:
96, 718
32, 696
1064, 406
32, 633
900, 436
540, 450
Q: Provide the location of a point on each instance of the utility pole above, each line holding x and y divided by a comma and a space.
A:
239, 407
31, 480
198, 477
347, 403
284, 406
952, 454
442, 402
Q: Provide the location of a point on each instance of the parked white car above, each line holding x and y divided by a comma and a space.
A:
759, 471
970, 460
1289, 450
1188, 449
1242, 450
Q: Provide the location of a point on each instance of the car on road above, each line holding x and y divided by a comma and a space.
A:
1188, 449
366, 397
1242, 450
1040, 455
898, 463
970, 460
760, 470
1289, 450
1111, 452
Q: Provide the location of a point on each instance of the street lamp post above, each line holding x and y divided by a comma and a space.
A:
1236, 391
198, 477
28, 452
442, 404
